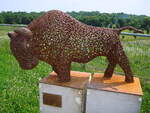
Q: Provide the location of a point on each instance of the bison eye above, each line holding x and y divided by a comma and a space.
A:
28, 45
15, 48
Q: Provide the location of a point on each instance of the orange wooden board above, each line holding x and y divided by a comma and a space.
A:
78, 80
115, 84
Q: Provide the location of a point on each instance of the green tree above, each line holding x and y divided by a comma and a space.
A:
146, 24
1, 19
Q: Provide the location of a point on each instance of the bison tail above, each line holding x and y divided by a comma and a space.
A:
130, 28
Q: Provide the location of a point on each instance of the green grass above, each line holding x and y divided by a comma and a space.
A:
19, 88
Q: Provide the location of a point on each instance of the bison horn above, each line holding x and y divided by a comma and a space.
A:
11, 34
24, 31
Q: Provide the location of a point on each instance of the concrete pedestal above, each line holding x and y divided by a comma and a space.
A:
89, 94
113, 95
67, 97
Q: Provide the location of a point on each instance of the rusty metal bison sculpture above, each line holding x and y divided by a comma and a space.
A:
59, 39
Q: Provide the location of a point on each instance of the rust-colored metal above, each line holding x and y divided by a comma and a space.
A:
79, 80
59, 39
52, 100
115, 84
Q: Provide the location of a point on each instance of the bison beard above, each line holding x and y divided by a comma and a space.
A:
59, 39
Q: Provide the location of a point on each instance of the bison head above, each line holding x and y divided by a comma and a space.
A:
22, 48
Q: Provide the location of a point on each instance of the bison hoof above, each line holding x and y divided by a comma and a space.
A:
129, 79
64, 79
107, 76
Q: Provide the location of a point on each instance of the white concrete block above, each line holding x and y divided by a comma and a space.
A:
113, 95
71, 93
100, 101
71, 99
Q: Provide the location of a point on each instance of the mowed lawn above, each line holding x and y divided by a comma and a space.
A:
19, 91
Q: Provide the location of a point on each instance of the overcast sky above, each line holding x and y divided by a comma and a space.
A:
139, 7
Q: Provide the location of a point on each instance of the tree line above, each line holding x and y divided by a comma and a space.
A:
95, 18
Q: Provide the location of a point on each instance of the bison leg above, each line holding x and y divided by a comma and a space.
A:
124, 64
109, 71
63, 72
111, 66
54, 68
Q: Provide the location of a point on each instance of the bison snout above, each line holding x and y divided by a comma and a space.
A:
28, 66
